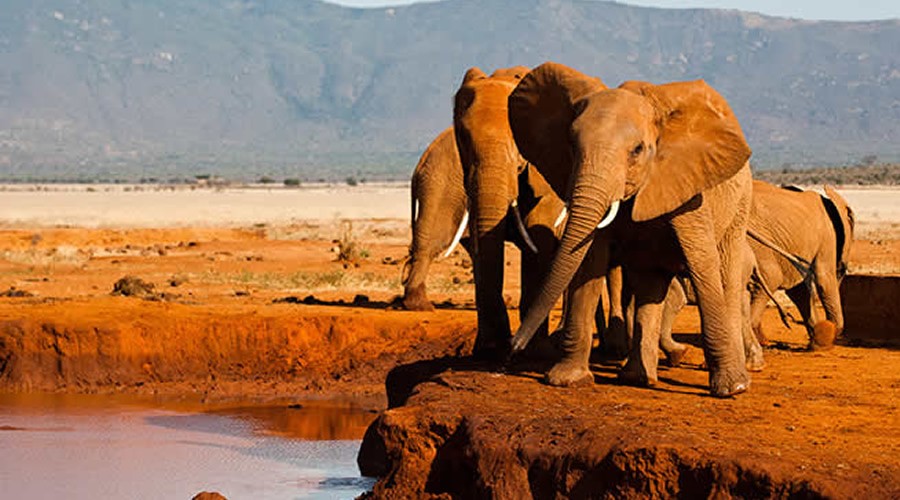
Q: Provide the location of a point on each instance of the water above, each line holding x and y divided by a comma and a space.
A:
95, 448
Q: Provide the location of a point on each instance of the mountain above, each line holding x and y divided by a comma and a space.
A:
164, 88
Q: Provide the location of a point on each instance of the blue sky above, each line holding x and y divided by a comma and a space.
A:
843, 10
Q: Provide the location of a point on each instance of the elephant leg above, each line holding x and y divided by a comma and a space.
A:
493, 337
532, 272
758, 302
828, 288
802, 298
716, 271
752, 349
602, 307
650, 289
584, 295
414, 296
616, 340
675, 302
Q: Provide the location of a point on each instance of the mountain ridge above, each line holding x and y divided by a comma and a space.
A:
114, 88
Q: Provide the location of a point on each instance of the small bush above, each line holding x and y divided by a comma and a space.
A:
292, 182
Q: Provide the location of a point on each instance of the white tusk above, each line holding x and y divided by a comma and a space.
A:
610, 215
415, 209
458, 235
561, 217
521, 225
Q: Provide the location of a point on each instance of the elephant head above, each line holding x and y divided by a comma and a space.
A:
842, 219
490, 164
660, 145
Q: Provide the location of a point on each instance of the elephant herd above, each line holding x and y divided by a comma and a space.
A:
631, 190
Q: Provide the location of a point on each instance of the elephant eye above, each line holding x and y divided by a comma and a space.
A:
637, 149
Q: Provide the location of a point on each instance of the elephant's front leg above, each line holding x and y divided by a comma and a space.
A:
716, 269
584, 295
493, 337
414, 296
650, 289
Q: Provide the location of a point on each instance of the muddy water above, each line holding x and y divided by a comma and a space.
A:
101, 447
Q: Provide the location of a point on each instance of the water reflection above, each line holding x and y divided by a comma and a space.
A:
102, 447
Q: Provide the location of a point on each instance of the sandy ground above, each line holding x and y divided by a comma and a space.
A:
146, 206
131, 206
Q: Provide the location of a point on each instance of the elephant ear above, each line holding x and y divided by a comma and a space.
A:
700, 145
842, 219
473, 73
541, 111
513, 73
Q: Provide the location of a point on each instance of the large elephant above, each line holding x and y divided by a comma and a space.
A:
438, 206
674, 157
817, 231
507, 199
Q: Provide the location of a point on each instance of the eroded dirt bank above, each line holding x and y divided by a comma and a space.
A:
116, 343
807, 429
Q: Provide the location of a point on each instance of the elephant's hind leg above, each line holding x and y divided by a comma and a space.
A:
650, 290
675, 302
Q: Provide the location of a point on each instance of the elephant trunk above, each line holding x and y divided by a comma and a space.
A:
592, 196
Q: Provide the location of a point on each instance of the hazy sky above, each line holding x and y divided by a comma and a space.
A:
845, 10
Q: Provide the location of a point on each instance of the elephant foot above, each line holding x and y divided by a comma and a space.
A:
755, 359
726, 383
615, 344
635, 374
675, 356
544, 348
760, 336
493, 351
612, 352
568, 374
824, 333
415, 299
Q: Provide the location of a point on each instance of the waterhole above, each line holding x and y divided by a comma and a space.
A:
62, 446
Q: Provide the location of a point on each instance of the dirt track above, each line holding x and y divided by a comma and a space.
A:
226, 319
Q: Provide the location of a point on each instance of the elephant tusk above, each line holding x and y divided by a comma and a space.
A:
457, 236
610, 215
521, 226
561, 217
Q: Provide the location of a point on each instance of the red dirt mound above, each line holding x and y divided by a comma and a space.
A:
458, 430
871, 307
114, 343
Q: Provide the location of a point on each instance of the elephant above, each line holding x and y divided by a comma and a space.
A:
503, 192
817, 231
438, 216
674, 160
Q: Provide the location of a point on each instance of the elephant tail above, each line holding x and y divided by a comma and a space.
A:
803, 266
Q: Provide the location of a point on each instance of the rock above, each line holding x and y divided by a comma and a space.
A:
209, 495
132, 286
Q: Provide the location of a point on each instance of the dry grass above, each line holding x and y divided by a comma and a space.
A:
61, 255
301, 281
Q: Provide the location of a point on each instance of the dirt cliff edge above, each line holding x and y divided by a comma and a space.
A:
456, 430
